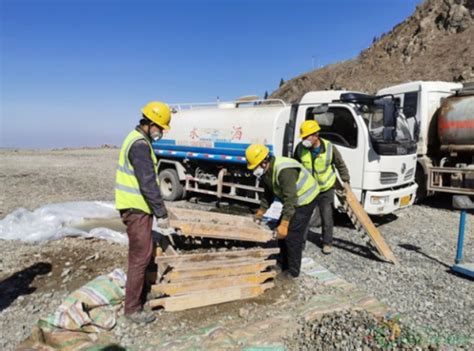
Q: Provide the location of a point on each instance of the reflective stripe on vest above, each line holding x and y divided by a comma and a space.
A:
321, 167
127, 188
306, 187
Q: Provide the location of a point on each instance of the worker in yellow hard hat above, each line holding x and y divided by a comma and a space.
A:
287, 180
322, 159
138, 198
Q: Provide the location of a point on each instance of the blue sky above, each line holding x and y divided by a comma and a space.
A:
76, 72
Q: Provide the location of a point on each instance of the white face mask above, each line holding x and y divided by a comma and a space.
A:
258, 172
155, 136
307, 144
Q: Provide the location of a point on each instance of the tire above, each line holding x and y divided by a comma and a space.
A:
171, 188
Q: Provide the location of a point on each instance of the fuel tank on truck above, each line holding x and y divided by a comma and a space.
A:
456, 120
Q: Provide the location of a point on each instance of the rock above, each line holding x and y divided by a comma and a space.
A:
243, 313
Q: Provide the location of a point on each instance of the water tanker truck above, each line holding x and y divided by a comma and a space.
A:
441, 119
204, 151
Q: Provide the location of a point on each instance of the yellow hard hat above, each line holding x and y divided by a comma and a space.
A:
159, 113
308, 128
255, 154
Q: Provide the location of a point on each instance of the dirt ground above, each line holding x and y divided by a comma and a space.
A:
35, 278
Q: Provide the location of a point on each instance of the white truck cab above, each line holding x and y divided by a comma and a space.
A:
382, 174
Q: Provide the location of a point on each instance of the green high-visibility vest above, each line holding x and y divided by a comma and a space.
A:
306, 187
321, 167
127, 189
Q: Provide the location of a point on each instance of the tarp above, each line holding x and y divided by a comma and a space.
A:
55, 221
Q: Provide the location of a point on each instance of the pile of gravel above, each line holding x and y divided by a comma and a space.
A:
346, 330
356, 330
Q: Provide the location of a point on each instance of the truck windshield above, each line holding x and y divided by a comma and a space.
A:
403, 143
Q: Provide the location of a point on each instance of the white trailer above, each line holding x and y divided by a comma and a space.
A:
441, 119
204, 151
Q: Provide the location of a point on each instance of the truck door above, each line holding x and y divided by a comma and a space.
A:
340, 126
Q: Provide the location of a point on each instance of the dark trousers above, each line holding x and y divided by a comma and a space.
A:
325, 201
291, 248
140, 246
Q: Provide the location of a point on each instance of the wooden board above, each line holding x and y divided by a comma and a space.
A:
210, 217
190, 286
364, 220
217, 226
206, 298
222, 270
220, 231
215, 256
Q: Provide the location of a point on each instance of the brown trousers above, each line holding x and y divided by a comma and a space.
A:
140, 246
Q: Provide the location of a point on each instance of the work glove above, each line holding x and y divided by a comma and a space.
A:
259, 216
163, 223
282, 229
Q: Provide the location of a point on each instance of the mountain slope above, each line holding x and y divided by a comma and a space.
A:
435, 43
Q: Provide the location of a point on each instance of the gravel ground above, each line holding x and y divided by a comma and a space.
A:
31, 178
429, 298
421, 287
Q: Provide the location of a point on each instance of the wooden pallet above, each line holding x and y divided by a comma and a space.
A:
362, 221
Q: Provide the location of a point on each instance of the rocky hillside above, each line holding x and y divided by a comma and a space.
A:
435, 43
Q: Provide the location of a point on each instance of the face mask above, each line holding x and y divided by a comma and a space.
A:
258, 172
307, 144
155, 136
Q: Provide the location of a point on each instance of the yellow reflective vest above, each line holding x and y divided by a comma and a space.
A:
127, 189
321, 167
306, 187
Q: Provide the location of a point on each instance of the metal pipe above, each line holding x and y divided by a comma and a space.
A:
462, 223
451, 147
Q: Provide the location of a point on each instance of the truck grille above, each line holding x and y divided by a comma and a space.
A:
388, 178
409, 174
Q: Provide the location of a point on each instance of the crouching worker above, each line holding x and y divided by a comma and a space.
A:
138, 198
288, 180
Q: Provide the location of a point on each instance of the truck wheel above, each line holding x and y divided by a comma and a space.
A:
170, 187
420, 179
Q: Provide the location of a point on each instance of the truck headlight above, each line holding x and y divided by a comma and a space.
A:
378, 200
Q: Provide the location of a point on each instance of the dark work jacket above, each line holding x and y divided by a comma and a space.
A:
287, 178
140, 158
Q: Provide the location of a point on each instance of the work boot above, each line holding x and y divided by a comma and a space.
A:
327, 249
287, 276
141, 317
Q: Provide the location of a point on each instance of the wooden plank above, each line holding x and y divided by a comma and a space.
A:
369, 227
189, 286
219, 231
206, 298
176, 275
216, 256
211, 217
209, 264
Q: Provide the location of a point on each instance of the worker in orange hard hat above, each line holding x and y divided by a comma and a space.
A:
289, 181
138, 198
322, 159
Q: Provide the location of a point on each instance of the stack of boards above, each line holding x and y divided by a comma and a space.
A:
191, 280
